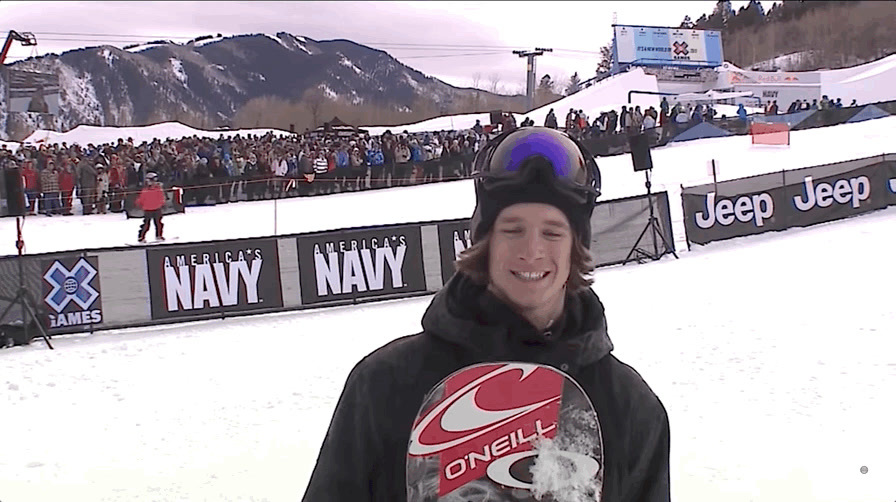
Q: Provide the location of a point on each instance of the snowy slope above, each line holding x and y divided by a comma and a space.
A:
608, 94
10, 145
85, 134
676, 164
868, 83
445, 123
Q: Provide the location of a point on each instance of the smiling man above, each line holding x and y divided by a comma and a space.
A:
454, 412
530, 260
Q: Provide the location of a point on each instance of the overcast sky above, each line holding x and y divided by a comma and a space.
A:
451, 41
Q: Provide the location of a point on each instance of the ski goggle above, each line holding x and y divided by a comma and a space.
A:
520, 156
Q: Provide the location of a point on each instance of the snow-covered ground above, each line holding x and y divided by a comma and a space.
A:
730, 111
84, 134
773, 354
777, 378
150, 45
10, 145
207, 41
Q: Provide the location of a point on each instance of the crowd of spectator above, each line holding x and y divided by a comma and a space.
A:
238, 168
632, 120
799, 105
669, 120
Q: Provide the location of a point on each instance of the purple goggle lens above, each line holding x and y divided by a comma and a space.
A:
503, 163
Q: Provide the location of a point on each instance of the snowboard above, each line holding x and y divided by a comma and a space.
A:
505, 432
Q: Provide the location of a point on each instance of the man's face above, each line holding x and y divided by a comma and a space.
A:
529, 256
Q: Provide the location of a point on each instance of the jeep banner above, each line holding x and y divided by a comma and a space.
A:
194, 280
890, 171
71, 291
356, 264
712, 216
817, 199
786, 199
454, 237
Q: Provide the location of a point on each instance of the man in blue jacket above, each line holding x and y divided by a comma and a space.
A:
522, 293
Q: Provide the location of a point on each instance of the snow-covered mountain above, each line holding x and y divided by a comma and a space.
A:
213, 76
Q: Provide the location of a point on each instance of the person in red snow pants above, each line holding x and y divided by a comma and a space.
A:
67, 187
151, 200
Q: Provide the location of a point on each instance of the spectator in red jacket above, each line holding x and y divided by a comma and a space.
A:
151, 201
67, 187
32, 185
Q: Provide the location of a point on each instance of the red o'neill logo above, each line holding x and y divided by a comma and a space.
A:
488, 413
482, 406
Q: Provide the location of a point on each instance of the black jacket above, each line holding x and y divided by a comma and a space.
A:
363, 455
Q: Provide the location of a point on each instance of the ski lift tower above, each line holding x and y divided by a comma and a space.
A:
530, 73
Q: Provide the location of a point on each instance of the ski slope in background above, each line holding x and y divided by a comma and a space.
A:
608, 94
676, 164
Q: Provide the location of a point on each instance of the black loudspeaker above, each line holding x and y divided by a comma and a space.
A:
15, 192
496, 116
640, 147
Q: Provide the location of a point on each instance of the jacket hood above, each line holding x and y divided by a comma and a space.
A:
484, 328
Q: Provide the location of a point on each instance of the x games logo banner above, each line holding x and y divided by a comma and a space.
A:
71, 291
652, 45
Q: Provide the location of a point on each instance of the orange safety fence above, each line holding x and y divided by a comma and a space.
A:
770, 133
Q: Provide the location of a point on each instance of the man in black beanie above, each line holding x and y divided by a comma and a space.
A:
521, 293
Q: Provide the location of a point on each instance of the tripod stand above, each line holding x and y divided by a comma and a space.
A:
23, 296
653, 225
